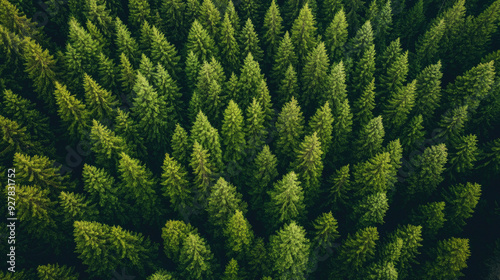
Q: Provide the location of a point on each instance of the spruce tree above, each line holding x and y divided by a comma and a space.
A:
146, 67
173, 234
308, 165
126, 128
250, 9
200, 42
176, 185
463, 155
290, 127
431, 217
398, 106
232, 270
428, 91
106, 145
233, 15
233, 136
196, 258
239, 236
228, 45
231, 90
373, 175
273, 30
180, 145
108, 72
363, 40
55, 271
263, 173
174, 19
72, 112
461, 199
314, 76
394, 78
125, 43
209, 18
322, 124
255, 130
427, 47
412, 239
192, 68
370, 138
336, 92
264, 97
358, 248
364, 105
339, 187
100, 101
249, 42
303, 33
342, 126
289, 248
76, 207
413, 133
139, 11
207, 95
223, 202
208, 137
15, 139
364, 73
452, 123
127, 75
164, 53
428, 172
202, 170
325, 231
288, 87
370, 210
249, 81
449, 259
336, 36
287, 200
285, 55
169, 91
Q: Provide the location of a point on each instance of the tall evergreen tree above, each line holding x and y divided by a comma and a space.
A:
263, 173
370, 210
428, 90
164, 53
314, 76
336, 35
364, 73
370, 138
452, 123
125, 42
308, 165
431, 217
202, 169
55, 271
287, 200
365, 104
127, 74
76, 207
208, 137
192, 68
15, 139
398, 106
255, 130
249, 42
249, 81
72, 112
169, 91
450, 257
126, 128
427, 47
428, 172
106, 145
209, 18
238, 232
322, 124
196, 258
394, 78
303, 33
358, 248
288, 87
285, 55
373, 175
200, 42
325, 231
336, 92
232, 133
413, 133
228, 45
100, 101
173, 234
289, 248
231, 271
139, 11
460, 203
273, 30
180, 145
463, 155
342, 126
363, 40
290, 127
412, 239
340, 185
223, 202
176, 184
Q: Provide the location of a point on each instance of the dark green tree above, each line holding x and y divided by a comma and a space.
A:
358, 248
273, 30
164, 53
127, 128
336, 35
180, 145
428, 171
223, 202
200, 42
239, 236
370, 138
431, 217
398, 106
364, 105
106, 145
290, 128
428, 91
460, 203
364, 72
176, 184
303, 33
249, 81
228, 45
72, 112
325, 231
308, 165
285, 55
288, 87
208, 137
449, 258
340, 185
209, 18
125, 43
322, 124
255, 130
202, 170
463, 155
173, 234
139, 11
249, 42
100, 102
314, 76
263, 173
233, 136
370, 210
55, 271
287, 200
232, 270
373, 175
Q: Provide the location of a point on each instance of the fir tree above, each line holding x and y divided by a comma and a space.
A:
287, 200
106, 145
289, 248
15, 139
258, 261
412, 238
263, 173
255, 130
127, 75
55, 271
464, 153
370, 210
203, 170
238, 232
413, 133
452, 123
450, 257
102, 248
304, 33
390, 54
176, 185
365, 104
72, 112
139, 11
460, 203
200, 42
233, 15
223, 202
363, 40
173, 234
428, 172
428, 45
290, 127
358, 248
314, 76
231, 90
192, 68
370, 138
249, 81
342, 126
322, 124
325, 231
174, 19
146, 67
373, 175
399, 105
394, 78
428, 90
228, 46
209, 18
285, 55
288, 86
76, 207
273, 30
169, 91
232, 133
164, 53
336, 35
249, 42
264, 97
340, 185
126, 128
309, 166
336, 92
431, 217
108, 72
100, 101
196, 258
232, 270
180, 145
364, 72
125, 42
208, 137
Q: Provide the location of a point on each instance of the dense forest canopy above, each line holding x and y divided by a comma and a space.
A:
250, 139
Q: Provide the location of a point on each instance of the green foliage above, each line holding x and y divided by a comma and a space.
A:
255, 130
373, 175
336, 35
223, 202
463, 155
195, 258
431, 217
100, 101
284, 56
371, 210
370, 138
322, 124
54, 271
314, 76
303, 33
72, 112
126, 128
125, 42
176, 185
325, 231
399, 105
228, 46
76, 207
365, 104
287, 199
209, 17
40, 171
359, 248
290, 127
232, 133
173, 235
139, 11
340, 184
231, 272
273, 29
460, 203
249, 42
203, 170
239, 235
412, 238
309, 166
200, 42
208, 137
164, 53
450, 257
428, 90
249, 81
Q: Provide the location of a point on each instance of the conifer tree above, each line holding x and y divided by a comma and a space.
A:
395, 151
308, 165
382, 23
231, 90
139, 11
413, 133
428, 172
97, 34
232, 270
232, 133
336, 92
370, 210
452, 123
336, 35
389, 55
322, 124
125, 43
126, 128
263, 173
173, 234
176, 184
412, 238
195, 258
209, 18
228, 46
364, 73
102, 248
428, 90
340, 185
325, 231
431, 217
314, 76
258, 260
99, 184
342, 126
108, 72
169, 91
358, 248
200, 42
72, 112
273, 30
146, 67
192, 68
285, 55
161, 275
249, 81
303, 33
427, 47
106, 145
289, 248
145, 38
174, 19
264, 97
370, 138
233, 15
287, 200
15, 139
464, 153
127, 75
223, 202
373, 175
491, 155
207, 95
365, 104
460, 203
394, 78
290, 127
249, 42
409, 26
288, 87
398, 106
100, 101
164, 53
238, 232
55, 271
203, 170
149, 111
255, 130
363, 40
76, 207
180, 145
140, 187
208, 137
450, 257
40, 66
